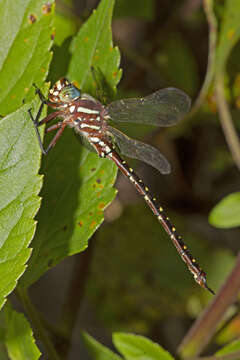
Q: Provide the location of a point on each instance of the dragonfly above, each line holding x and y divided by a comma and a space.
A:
90, 119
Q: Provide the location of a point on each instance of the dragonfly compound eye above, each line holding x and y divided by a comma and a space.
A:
69, 93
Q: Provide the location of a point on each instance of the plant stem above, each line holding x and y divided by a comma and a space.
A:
204, 328
75, 296
226, 121
37, 323
212, 25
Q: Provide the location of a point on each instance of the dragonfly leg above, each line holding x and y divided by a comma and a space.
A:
56, 137
38, 123
40, 94
42, 97
53, 127
61, 126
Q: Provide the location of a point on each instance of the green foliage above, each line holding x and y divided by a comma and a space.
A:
226, 214
230, 348
65, 27
19, 151
134, 8
97, 350
19, 339
146, 288
229, 33
131, 282
181, 70
19, 184
131, 347
93, 47
134, 347
24, 56
72, 207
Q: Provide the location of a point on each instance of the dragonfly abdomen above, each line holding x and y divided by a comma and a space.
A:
195, 269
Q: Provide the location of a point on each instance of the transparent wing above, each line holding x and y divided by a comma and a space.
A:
140, 151
164, 107
104, 91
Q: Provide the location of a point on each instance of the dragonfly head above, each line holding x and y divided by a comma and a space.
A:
63, 92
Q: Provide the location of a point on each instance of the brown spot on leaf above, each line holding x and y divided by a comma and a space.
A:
93, 224
98, 181
65, 228
231, 33
238, 102
53, 34
32, 19
46, 9
80, 223
50, 262
101, 206
93, 169
90, 214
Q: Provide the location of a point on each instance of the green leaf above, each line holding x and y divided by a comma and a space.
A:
78, 185
135, 8
19, 337
65, 27
226, 214
19, 186
230, 348
25, 40
229, 34
98, 351
135, 347
93, 47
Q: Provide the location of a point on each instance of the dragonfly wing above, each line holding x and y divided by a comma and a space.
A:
165, 107
84, 142
104, 91
138, 150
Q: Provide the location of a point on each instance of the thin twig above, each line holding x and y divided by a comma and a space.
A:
74, 297
226, 121
212, 24
228, 321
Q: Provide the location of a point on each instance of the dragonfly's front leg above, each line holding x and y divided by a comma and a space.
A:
40, 94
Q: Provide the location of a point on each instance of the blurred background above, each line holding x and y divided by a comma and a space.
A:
131, 278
